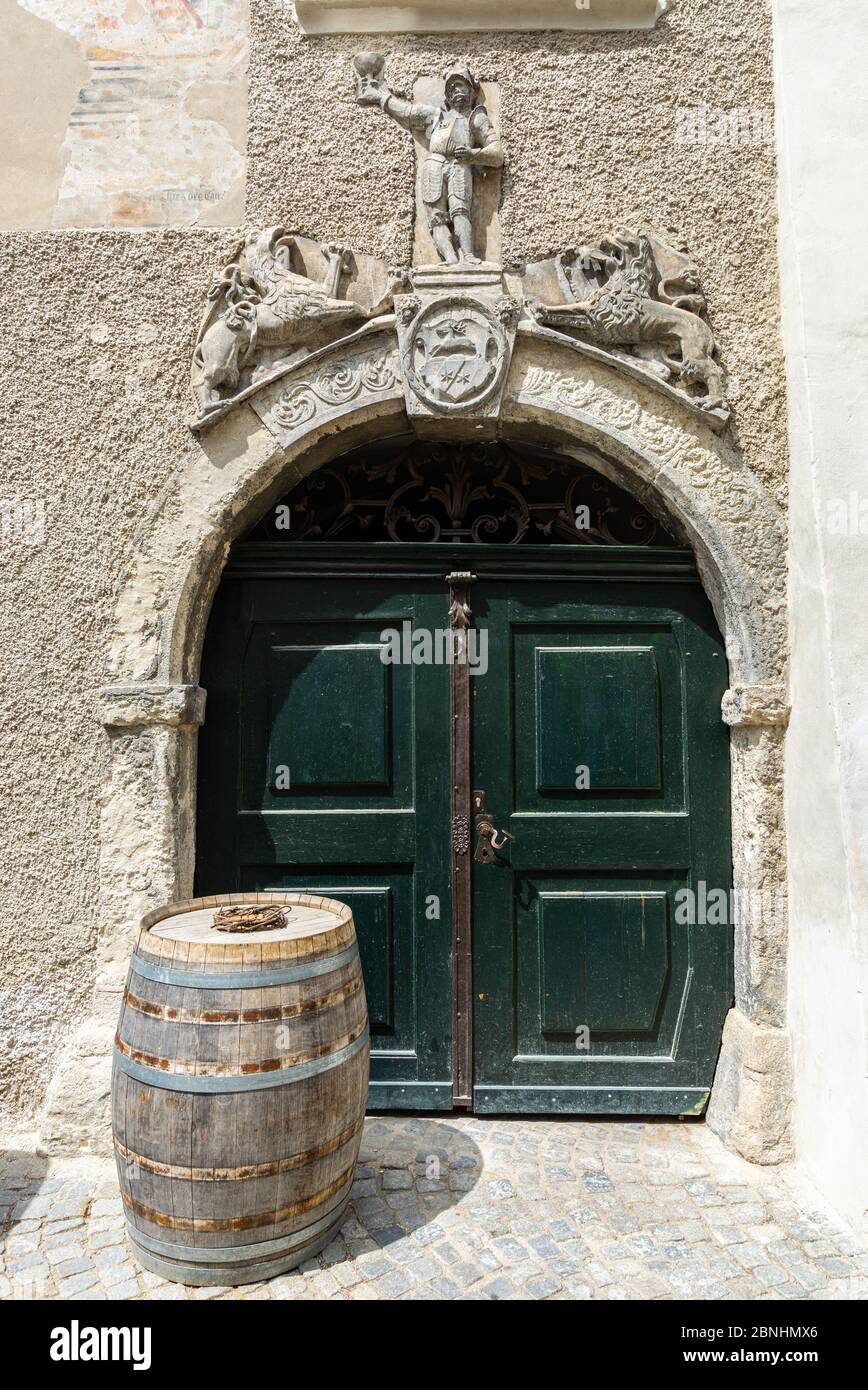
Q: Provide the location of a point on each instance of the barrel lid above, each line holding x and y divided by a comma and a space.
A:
193, 921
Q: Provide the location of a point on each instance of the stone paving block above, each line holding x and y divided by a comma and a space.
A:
79, 1266
57, 1228
499, 1288
108, 1208
388, 1235
70, 1209
769, 1275
836, 1266
117, 1274
77, 1284
445, 1287
32, 1208
597, 1182
357, 1248
17, 1245
749, 1255
398, 1200
25, 1227
324, 1284
32, 1260
396, 1178
789, 1290
130, 1289
598, 1273
110, 1255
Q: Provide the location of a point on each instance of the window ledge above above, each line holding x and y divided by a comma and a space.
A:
453, 16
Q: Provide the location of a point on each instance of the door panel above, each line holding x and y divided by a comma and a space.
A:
598, 740
603, 957
348, 749
322, 768
598, 705
596, 734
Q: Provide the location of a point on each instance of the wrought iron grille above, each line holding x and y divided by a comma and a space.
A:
466, 493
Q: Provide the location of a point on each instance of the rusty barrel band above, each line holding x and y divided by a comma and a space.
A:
182, 1263
224, 1225
340, 1190
176, 1013
255, 1081
241, 979
288, 1164
225, 1254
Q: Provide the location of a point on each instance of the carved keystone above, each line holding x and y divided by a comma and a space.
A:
456, 333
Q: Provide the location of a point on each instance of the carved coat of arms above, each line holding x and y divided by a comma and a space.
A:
457, 354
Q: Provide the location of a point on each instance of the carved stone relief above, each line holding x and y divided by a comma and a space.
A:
279, 295
457, 143
285, 303
637, 296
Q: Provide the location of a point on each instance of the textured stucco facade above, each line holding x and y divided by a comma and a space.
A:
96, 398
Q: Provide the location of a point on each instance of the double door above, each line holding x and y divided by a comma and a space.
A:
517, 776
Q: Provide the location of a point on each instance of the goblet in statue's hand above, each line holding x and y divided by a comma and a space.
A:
370, 93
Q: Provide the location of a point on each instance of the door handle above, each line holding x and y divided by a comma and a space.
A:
488, 837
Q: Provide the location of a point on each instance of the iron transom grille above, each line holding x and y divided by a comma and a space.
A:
470, 493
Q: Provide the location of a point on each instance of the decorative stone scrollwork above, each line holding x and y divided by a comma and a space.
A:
407, 307
334, 384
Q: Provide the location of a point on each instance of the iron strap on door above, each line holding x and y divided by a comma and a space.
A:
459, 582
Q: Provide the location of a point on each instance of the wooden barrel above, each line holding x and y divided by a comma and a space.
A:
239, 1087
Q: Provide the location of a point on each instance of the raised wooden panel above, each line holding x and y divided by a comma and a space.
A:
604, 961
597, 708
329, 716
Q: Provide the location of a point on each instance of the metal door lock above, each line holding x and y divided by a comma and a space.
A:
488, 838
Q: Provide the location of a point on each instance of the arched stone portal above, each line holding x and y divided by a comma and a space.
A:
650, 440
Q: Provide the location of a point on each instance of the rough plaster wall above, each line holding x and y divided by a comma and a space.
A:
590, 126
94, 377
94, 399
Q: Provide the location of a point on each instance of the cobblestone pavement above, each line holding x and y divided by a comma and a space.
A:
494, 1209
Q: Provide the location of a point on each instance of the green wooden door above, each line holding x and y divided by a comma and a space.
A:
596, 735
321, 768
598, 740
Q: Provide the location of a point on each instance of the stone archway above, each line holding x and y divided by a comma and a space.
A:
651, 441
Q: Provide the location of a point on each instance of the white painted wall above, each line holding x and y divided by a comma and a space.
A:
822, 113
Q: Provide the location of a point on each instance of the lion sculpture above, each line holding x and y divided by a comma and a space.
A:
617, 296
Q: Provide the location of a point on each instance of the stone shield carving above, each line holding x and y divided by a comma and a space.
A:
456, 355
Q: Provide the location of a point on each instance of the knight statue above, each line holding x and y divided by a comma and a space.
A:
458, 137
